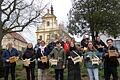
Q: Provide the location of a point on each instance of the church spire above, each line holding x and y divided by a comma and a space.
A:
52, 10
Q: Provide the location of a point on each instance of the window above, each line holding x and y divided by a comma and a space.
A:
48, 23
48, 37
40, 37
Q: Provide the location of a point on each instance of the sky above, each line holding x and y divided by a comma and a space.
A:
61, 9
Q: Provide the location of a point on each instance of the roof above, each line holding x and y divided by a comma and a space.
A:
18, 37
48, 15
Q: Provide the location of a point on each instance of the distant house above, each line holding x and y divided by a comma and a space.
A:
18, 41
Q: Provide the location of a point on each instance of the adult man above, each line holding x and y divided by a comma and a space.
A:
10, 56
110, 61
99, 45
37, 45
58, 54
84, 41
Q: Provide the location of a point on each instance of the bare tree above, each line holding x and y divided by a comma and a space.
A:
15, 15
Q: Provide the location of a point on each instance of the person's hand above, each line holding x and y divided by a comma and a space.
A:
17, 58
39, 59
63, 66
117, 54
7, 60
106, 54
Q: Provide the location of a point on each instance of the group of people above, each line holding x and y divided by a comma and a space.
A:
66, 54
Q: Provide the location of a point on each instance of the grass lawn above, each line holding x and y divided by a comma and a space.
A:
21, 74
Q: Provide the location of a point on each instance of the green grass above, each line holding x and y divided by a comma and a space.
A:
84, 73
21, 74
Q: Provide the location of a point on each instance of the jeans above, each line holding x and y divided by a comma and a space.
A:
59, 74
30, 71
42, 74
93, 73
12, 71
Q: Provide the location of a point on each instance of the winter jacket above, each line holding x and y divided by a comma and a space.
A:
29, 54
39, 55
7, 54
87, 59
58, 53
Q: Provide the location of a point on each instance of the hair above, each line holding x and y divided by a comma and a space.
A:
57, 42
32, 50
109, 40
28, 44
42, 41
92, 47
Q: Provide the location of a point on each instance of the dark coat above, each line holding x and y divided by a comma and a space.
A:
100, 43
108, 60
7, 54
39, 55
51, 46
29, 54
73, 69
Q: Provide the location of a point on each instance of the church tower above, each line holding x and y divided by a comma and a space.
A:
49, 28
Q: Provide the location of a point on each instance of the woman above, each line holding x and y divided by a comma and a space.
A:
58, 54
42, 61
29, 54
88, 56
73, 69
8, 64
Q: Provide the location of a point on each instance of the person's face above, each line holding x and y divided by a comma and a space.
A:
71, 44
39, 41
9, 45
78, 47
42, 43
90, 45
98, 38
30, 45
58, 45
109, 43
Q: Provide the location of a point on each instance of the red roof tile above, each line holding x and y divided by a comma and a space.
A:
18, 37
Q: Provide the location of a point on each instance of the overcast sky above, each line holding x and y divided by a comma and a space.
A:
61, 8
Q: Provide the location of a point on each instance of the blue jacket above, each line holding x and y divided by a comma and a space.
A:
7, 54
87, 57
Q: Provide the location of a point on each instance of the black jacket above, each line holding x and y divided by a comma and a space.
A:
39, 55
110, 61
29, 54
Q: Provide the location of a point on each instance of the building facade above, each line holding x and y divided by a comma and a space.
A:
49, 29
18, 41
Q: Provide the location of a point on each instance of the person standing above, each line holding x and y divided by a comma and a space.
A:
100, 46
88, 56
9, 65
42, 53
37, 45
85, 41
58, 54
29, 54
74, 72
110, 62
51, 45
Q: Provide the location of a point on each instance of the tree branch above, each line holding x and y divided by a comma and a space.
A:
8, 16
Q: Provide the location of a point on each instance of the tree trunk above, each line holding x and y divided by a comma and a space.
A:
93, 36
1, 37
